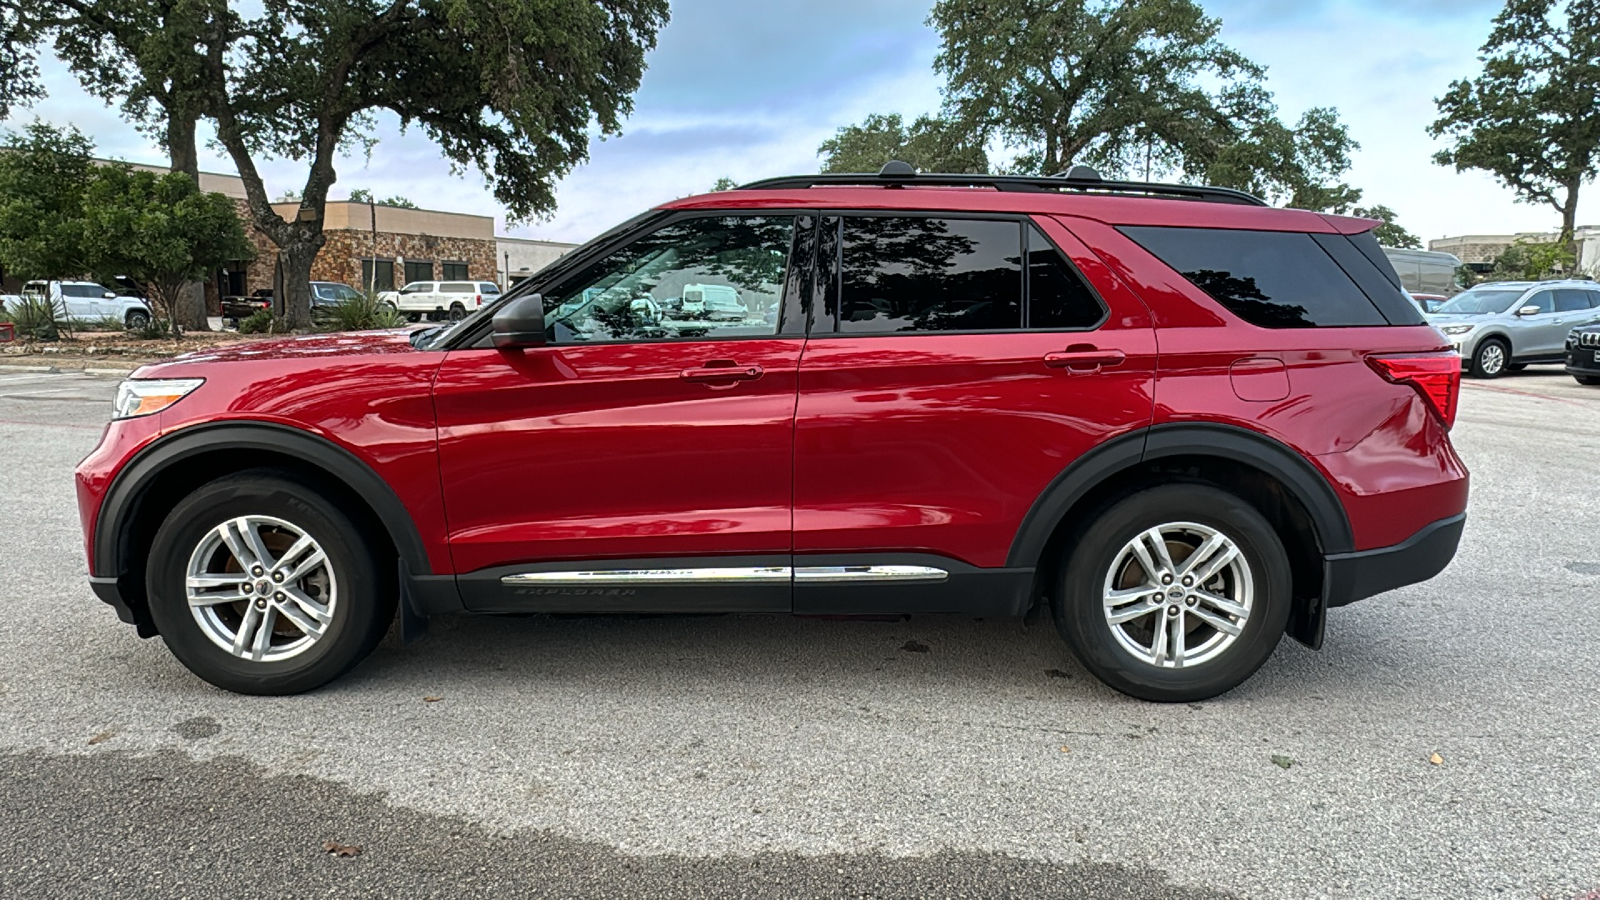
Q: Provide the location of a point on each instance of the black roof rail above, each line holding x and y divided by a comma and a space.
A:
1080, 179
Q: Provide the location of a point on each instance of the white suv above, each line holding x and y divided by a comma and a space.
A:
441, 299
87, 300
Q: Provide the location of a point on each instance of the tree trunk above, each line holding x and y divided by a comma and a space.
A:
293, 283
1569, 226
190, 310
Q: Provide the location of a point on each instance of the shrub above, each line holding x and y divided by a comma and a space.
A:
154, 330
35, 318
258, 322
103, 323
362, 313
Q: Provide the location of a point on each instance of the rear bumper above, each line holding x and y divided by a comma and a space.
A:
1348, 577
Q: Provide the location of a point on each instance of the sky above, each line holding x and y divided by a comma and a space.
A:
749, 88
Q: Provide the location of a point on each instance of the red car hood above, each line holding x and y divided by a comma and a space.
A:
308, 346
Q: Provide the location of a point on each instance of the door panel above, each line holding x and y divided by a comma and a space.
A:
609, 452
940, 443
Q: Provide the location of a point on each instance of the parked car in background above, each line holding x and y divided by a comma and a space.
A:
1429, 302
1502, 327
437, 300
1425, 271
958, 407
239, 307
1583, 354
89, 301
331, 293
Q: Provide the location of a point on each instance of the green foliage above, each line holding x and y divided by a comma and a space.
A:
1533, 261
364, 312
362, 195
1390, 233
724, 184
35, 319
103, 323
259, 322
1297, 167
1115, 85
159, 229
44, 173
1532, 117
155, 330
930, 144
513, 88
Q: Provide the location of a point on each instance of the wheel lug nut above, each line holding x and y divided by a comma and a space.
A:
277, 576
261, 604
1166, 579
256, 570
1188, 581
1191, 601
278, 596
248, 587
1172, 610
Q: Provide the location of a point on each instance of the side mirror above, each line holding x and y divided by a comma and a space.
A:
1528, 311
520, 323
110, 296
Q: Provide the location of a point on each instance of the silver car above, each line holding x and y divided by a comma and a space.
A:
1502, 327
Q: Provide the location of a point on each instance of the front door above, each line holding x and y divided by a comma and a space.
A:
641, 460
960, 365
1539, 333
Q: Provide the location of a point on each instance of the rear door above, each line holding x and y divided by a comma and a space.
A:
641, 460
957, 365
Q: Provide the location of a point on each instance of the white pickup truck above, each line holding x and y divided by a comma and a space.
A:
441, 299
87, 300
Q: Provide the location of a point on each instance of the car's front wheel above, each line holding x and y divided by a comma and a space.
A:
1491, 359
259, 585
1175, 593
1590, 380
136, 319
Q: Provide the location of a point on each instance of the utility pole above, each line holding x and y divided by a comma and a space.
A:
372, 276
505, 283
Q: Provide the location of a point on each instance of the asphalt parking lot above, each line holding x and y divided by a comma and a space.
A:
745, 756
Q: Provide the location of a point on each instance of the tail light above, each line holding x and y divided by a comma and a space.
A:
1436, 376
478, 300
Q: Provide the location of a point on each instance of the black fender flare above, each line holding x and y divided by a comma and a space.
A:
172, 449
1308, 486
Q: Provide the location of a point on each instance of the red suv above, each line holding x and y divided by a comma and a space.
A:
1186, 422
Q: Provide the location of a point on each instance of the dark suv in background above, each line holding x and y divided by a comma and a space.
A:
1183, 421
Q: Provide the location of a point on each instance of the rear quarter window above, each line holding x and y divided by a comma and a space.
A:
1272, 279
456, 287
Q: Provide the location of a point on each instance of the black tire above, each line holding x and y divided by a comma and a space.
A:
365, 596
1590, 380
1079, 605
457, 312
136, 319
1491, 359
1516, 367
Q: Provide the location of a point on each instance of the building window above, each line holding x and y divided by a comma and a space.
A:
384, 280
421, 271
455, 271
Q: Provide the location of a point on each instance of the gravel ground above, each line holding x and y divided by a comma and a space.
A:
792, 757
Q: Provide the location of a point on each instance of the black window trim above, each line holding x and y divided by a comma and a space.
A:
622, 236
831, 289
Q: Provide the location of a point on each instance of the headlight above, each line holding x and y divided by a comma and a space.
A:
141, 397
1457, 329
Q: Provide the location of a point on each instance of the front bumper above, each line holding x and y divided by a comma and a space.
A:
1583, 361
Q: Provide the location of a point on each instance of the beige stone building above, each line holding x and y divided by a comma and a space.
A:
1480, 250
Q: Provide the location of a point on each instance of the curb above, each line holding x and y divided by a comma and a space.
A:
14, 368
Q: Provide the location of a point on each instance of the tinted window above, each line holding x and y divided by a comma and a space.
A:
421, 287
710, 277
419, 270
928, 274
1268, 278
384, 278
455, 270
1572, 300
83, 290
1544, 300
1375, 279
1057, 294
1480, 301
457, 287
488, 287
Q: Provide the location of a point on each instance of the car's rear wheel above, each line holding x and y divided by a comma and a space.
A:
1491, 358
136, 319
457, 312
1175, 593
1590, 380
259, 585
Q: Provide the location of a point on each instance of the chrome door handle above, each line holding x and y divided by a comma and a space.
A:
1084, 358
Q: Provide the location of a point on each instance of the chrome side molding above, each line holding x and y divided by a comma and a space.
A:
733, 575
736, 575
843, 574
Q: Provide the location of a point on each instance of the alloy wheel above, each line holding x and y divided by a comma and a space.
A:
261, 588
1178, 595
1492, 358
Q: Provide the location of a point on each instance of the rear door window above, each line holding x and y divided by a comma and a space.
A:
1058, 297
1273, 279
1572, 301
920, 274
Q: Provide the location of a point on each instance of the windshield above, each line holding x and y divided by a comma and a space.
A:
1477, 302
